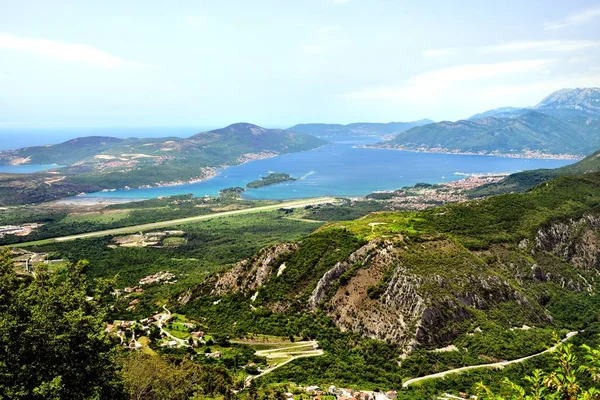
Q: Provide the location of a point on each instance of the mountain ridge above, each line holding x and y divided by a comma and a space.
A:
425, 279
96, 163
565, 122
356, 128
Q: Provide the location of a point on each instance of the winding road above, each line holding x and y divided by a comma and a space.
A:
286, 352
161, 322
498, 365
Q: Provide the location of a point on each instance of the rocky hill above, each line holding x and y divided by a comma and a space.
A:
420, 280
572, 101
566, 122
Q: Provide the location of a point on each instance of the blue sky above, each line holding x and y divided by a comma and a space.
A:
278, 63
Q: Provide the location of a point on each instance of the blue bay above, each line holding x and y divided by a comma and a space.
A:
342, 169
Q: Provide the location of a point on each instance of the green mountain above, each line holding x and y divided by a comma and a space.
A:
215, 147
509, 112
106, 163
522, 181
64, 153
566, 122
357, 128
424, 279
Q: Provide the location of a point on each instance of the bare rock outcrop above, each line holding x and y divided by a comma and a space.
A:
250, 274
575, 241
329, 278
416, 307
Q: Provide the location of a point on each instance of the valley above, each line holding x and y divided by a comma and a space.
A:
358, 273
451, 274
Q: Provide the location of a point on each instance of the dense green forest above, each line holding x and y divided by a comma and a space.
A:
485, 233
272, 179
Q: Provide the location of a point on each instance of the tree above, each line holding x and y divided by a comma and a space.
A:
152, 377
52, 339
564, 382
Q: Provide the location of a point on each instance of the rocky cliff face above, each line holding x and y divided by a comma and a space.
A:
580, 99
330, 277
422, 291
575, 242
419, 306
249, 275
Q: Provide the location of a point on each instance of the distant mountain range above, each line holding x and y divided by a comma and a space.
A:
357, 128
212, 148
565, 122
96, 162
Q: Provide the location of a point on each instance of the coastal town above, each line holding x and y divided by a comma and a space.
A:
525, 153
423, 195
19, 230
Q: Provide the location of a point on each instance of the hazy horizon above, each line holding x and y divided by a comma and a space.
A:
275, 64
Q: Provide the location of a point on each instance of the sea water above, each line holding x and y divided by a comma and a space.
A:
341, 169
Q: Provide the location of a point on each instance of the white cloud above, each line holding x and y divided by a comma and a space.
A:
537, 89
433, 84
79, 53
314, 49
542, 45
439, 52
327, 29
575, 19
576, 60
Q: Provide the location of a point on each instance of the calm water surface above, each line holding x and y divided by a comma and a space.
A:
342, 169
26, 169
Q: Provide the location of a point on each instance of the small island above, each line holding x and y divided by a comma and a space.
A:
231, 193
271, 179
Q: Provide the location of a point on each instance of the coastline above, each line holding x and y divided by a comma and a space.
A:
206, 174
524, 155
84, 199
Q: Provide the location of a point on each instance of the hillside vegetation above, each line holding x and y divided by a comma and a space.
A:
468, 274
94, 163
525, 180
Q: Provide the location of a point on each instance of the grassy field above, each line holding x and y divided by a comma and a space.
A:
180, 221
380, 224
99, 217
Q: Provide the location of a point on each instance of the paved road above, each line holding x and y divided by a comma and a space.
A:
283, 352
498, 365
179, 221
161, 322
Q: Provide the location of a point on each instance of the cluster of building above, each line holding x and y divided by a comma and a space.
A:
26, 260
162, 276
127, 290
255, 156
317, 393
123, 165
159, 277
420, 197
205, 173
18, 230
443, 150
